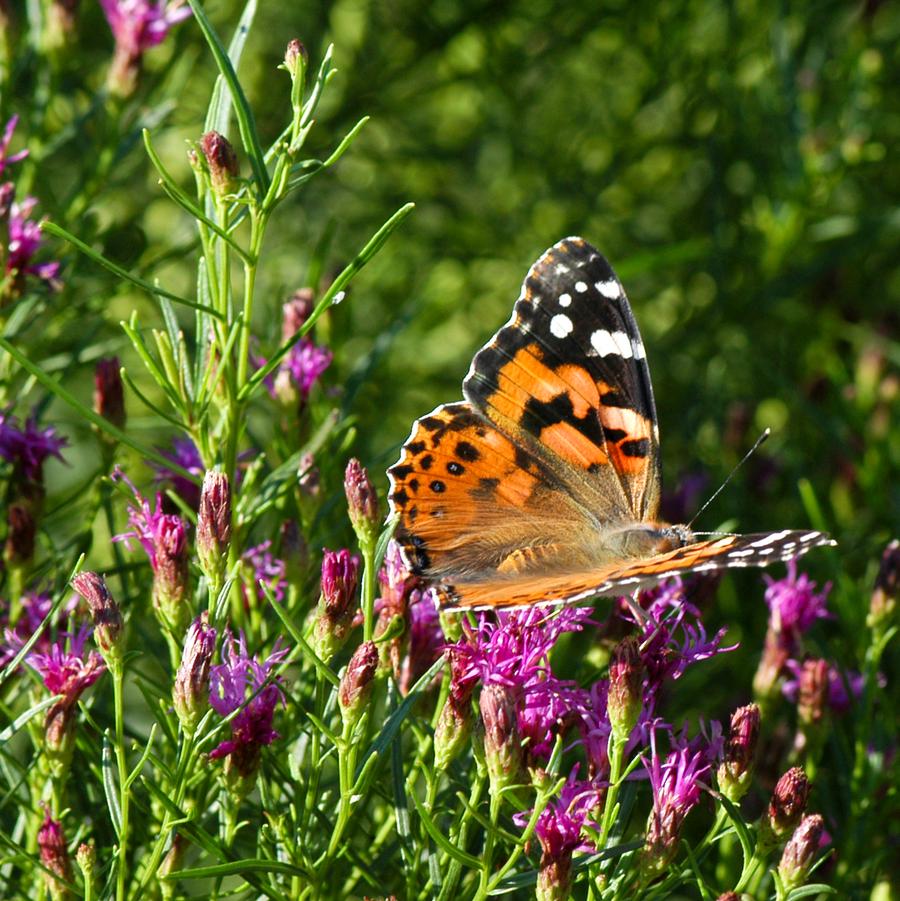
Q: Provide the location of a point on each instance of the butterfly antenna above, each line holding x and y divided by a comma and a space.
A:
762, 438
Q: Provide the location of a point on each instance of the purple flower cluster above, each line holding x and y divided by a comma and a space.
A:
184, 454
242, 683
28, 446
22, 238
268, 569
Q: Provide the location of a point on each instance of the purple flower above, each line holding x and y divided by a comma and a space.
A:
68, 672
154, 529
28, 446
239, 683
5, 158
794, 605
185, 455
268, 569
142, 24
838, 698
24, 242
426, 637
306, 362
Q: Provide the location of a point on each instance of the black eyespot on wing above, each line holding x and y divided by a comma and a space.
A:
437, 486
467, 452
455, 469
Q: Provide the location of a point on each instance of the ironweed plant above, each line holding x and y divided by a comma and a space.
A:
219, 678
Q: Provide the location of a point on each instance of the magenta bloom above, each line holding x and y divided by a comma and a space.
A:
237, 684
35, 607
28, 446
138, 25
843, 688
306, 362
24, 242
794, 605
184, 453
559, 825
267, 568
5, 141
426, 637
68, 672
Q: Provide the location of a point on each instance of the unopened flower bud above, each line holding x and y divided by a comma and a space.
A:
54, 856
729, 896
736, 769
170, 577
19, 549
296, 57
801, 851
626, 674
502, 742
451, 735
357, 681
86, 858
109, 397
887, 588
787, 803
222, 162
190, 695
105, 613
812, 695
334, 615
214, 526
295, 313
171, 863
362, 502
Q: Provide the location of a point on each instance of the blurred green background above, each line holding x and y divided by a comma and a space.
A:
736, 163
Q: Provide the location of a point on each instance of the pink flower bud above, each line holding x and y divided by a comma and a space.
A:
362, 502
813, 692
801, 851
736, 769
190, 695
214, 525
626, 673
788, 802
105, 613
109, 397
502, 741
171, 594
54, 855
295, 57
86, 858
295, 313
222, 162
337, 602
357, 681
20, 536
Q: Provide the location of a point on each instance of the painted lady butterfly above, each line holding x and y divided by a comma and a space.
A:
544, 485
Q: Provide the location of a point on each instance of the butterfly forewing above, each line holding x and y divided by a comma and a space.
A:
567, 377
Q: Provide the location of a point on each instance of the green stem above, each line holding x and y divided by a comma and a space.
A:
484, 881
367, 548
610, 808
118, 677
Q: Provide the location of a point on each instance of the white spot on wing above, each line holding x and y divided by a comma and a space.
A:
561, 325
771, 539
638, 348
609, 343
581, 287
609, 288
565, 300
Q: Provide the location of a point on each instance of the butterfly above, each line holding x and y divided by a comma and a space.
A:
543, 486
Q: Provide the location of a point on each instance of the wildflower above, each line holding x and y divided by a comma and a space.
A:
105, 613
214, 526
164, 538
559, 831
736, 769
786, 805
397, 585
454, 723
334, 616
295, 312
7, 159
357, 682
425, 637
295, 57
66, 673
242, 683
626, 673
27, 447
299, 371
362, 502
19, 549
24, 241
221, 161
800, 852
137, 25
86, 858
502, 741
676, 784
266, 569
109, 398
29, 616
185, 455
172, 863
190, 694
883, 605
54, 856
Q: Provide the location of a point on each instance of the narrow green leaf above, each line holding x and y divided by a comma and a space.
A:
147, 402
98, 258
238, 868
219, 112
110, 789
341, 148
740, 827
24, 717
305, 649
246, 123
808, 891
87, 413
441, 840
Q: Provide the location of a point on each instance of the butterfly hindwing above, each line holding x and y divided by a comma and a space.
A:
568, 378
